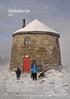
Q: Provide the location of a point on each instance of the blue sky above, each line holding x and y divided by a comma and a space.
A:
54, 13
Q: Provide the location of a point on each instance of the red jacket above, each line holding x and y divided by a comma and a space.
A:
26, 64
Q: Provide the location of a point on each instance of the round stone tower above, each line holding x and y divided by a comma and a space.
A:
39, 42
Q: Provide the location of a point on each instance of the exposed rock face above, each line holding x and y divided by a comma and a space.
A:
43, 48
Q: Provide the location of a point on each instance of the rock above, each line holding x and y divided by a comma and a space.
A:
41, 75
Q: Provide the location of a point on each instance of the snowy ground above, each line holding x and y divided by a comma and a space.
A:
55, 85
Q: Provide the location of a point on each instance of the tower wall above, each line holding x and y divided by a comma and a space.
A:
43, 48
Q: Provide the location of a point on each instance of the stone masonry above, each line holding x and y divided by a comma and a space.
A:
44, 48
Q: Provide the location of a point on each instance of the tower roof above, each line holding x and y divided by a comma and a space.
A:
35, 25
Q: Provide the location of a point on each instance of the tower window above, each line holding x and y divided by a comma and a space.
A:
27, 41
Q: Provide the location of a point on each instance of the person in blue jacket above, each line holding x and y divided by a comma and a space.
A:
34, 70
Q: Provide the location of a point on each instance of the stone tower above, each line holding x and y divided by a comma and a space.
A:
37, 40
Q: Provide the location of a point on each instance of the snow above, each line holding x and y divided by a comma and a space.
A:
54, 84
36, 25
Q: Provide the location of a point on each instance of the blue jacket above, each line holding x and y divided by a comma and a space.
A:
34, 68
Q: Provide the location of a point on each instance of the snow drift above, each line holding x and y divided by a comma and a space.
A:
53, 84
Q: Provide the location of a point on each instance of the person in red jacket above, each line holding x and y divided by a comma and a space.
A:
26, 64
